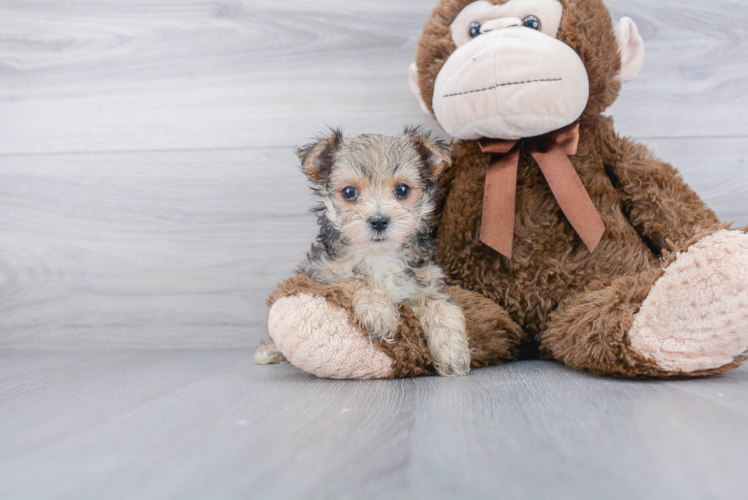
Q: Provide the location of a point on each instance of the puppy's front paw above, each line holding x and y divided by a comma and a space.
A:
377, 316
444, 325
452, 356
379, 319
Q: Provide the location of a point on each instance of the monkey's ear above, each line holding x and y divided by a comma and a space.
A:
316, 158
416, 89
632, 49
436, 154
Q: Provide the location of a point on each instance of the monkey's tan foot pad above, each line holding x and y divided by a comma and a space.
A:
320, 339
696, 315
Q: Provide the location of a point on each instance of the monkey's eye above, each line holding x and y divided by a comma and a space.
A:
349, 193
531, 22
474, 30
402, 191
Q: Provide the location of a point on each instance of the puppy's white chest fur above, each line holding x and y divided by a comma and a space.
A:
388, 271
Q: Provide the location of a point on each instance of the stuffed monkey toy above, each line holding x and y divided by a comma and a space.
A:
560, 239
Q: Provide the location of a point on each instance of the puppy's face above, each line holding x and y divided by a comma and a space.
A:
377, 191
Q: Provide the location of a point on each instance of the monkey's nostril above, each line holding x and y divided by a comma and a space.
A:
379, 223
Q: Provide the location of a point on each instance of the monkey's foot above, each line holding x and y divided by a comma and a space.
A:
320, 339
696, 315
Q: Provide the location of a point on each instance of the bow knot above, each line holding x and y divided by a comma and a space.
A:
551, 151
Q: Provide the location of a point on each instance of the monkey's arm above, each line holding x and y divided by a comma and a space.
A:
313, 324
658, 203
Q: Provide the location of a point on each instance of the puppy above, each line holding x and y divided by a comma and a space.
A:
375, 215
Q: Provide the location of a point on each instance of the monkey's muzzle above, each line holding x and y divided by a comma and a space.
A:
510, 84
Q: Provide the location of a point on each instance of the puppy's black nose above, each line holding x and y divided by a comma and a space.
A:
379, 223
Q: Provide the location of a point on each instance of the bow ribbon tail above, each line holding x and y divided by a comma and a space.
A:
499, 195
570, 193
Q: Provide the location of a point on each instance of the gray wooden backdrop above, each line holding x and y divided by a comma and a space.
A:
149, 196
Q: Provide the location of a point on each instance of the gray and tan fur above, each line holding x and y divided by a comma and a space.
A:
380, 239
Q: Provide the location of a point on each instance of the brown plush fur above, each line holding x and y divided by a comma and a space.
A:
550, 260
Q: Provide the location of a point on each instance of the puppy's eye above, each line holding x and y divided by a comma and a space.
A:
349, 193
474, 30
531, 22
402, 191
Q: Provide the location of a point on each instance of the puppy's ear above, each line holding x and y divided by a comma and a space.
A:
436, 154
316, 158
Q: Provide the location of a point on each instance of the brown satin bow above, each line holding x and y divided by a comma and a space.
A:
551, 152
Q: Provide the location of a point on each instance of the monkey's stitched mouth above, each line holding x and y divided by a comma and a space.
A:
497, 85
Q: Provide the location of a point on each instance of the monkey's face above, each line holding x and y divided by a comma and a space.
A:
509, 77
506, 72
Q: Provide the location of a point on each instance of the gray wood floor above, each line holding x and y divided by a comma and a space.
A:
150, 199
212, 425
